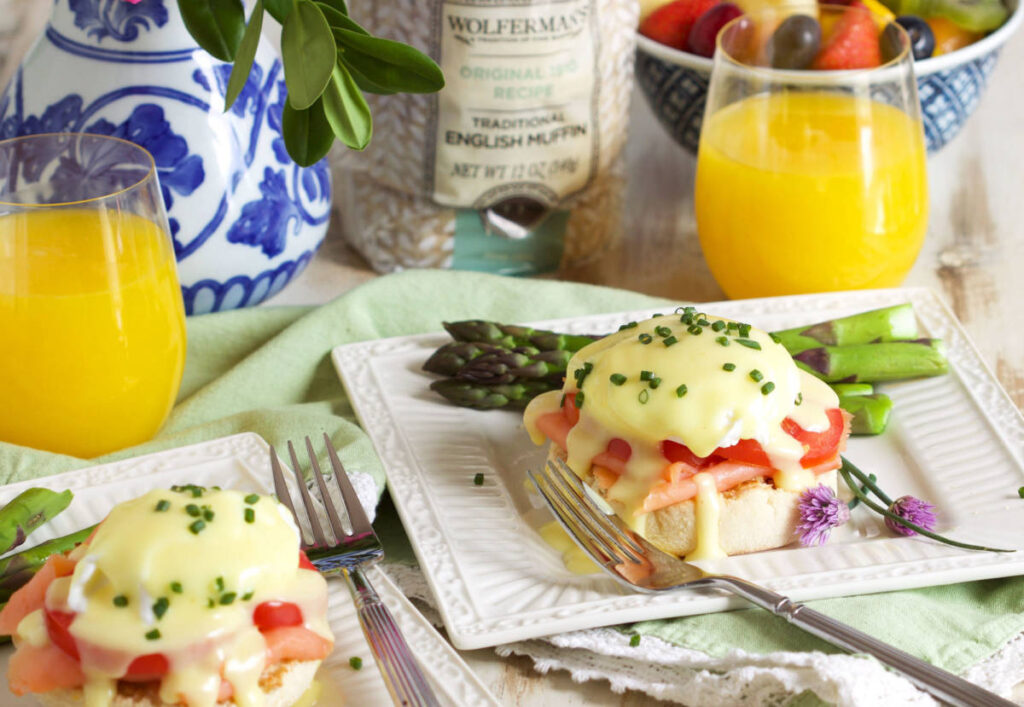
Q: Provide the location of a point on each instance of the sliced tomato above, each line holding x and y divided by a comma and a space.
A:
58, 625
820, 446
148, 667
678, 452
569, 409
620, 449
305, 564
746, 451
274, 614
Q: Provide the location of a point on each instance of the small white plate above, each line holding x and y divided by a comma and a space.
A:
956, 441
242, 462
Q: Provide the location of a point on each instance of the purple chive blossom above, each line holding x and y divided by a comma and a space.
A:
820, 511
914, 510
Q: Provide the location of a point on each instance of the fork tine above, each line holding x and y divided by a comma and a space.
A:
591, 516
599, 551
356, 514
568, 476
332, 513
314, 520
280, 487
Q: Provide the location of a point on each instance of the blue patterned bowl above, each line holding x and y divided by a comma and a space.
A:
675, 84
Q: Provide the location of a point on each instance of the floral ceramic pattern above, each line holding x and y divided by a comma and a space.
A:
118, 19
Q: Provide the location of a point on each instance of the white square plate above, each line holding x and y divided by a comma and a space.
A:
242, 462
955, 440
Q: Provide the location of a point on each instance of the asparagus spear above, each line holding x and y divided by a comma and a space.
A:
875, 362
513, 396
511, 335
450, 358
17, 569
887, 324
519, 365
870, 412
851, 389
28, 511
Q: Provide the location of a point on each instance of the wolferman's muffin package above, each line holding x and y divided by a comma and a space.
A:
515, 166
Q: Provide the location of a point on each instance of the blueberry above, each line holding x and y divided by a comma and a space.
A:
922, 39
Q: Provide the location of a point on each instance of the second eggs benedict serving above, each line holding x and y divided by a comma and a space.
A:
700, 432
191, 597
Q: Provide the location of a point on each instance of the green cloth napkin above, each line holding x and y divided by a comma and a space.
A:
268, 371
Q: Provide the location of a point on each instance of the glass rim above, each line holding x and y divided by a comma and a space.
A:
149, 161
800, 75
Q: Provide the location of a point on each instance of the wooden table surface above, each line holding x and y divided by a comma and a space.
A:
973, 256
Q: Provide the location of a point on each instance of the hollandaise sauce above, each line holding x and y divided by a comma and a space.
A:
174, 579
691, 379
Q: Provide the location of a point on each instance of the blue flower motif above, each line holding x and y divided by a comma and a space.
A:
265, 222
274, 114
179, 171
117, 18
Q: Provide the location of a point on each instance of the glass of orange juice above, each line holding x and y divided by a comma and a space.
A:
92, 325
810, 171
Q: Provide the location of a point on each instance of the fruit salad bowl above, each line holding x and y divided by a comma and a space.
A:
675, 84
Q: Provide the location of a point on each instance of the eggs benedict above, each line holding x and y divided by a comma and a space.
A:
700, 432
192, 597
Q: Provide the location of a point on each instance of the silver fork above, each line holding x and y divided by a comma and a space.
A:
346, 555
610, 543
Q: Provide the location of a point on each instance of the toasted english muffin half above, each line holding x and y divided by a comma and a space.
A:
283, 684
755, 516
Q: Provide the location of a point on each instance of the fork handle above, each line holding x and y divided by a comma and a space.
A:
944, 685
402, 675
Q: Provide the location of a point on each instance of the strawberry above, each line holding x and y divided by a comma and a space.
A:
853, 44
671, 24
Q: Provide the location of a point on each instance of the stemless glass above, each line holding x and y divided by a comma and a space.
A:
91, 313
807, 180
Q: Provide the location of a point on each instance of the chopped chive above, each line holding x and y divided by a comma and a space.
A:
681, 390
756, 376
774, 338
163, 505
250, 515
197, 526
153, 635
767, 388
695, 330
120, 601
578, 400
749, 343
744, 330
645, 338
728, 366
561, 403
617, 378
732, 325
248, 595
799, 399
656, 315
634, 640
646, 375
644, 396
686, 319
355, 662
669, 340
723, 340
208, 514
717, 325
654, 382
177, 588
210, 603
662, 331
627, 325
160, 607
478, 480
219, 583
703, 322
229, 598
193, 510
252, 498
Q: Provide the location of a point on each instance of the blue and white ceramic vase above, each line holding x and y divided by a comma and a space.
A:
244, 218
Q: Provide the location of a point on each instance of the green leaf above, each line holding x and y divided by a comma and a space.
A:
279, 9
307, 134
339, 20
392, 65
338, 5
216, 25
365, 84
346, 110
309, 53
245, 56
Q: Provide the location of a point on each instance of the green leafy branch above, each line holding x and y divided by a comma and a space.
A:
329, 63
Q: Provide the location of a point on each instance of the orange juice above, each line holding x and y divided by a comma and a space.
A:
92, 329
808, 192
